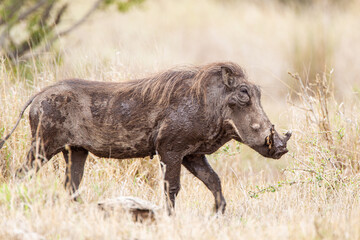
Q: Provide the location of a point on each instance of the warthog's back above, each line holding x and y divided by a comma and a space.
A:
96, 116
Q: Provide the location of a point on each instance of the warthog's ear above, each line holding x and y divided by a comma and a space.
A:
227, 77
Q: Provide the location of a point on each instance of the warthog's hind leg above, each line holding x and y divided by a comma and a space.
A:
75, 159
36, 157
200, 168
28, 165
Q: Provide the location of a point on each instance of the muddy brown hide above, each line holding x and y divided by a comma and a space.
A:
181, 114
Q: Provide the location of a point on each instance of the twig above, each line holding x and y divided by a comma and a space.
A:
82, 20
77, 24
12, 9
60, 13
5, 34
31, 10
271, 188
299, 169
313, 172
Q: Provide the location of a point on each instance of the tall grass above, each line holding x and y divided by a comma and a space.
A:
327, 142
313, 50
314, 196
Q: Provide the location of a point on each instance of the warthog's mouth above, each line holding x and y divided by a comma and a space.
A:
269, 140
276, 144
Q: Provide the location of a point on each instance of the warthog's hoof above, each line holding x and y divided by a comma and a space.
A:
140, 209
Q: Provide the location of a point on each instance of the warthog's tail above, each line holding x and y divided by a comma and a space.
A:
2, 141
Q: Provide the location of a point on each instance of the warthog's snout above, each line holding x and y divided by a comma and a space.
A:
276, 144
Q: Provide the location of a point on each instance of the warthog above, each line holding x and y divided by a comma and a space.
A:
180, 114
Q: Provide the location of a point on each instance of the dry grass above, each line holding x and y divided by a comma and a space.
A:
311, 193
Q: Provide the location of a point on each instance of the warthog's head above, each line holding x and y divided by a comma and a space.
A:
246, 116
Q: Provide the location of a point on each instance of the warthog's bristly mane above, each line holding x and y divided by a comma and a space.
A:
162, 87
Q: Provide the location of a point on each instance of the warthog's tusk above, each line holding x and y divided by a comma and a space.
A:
234, 126
270, 138
288, 135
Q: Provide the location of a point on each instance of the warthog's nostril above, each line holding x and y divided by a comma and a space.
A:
255, 126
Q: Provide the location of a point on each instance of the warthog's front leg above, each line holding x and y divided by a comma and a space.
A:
199, 166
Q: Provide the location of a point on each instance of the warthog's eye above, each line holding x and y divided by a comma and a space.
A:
244, 90
240, 98
244, 96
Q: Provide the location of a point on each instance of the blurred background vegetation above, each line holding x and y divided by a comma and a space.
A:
304, 36
30, 24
